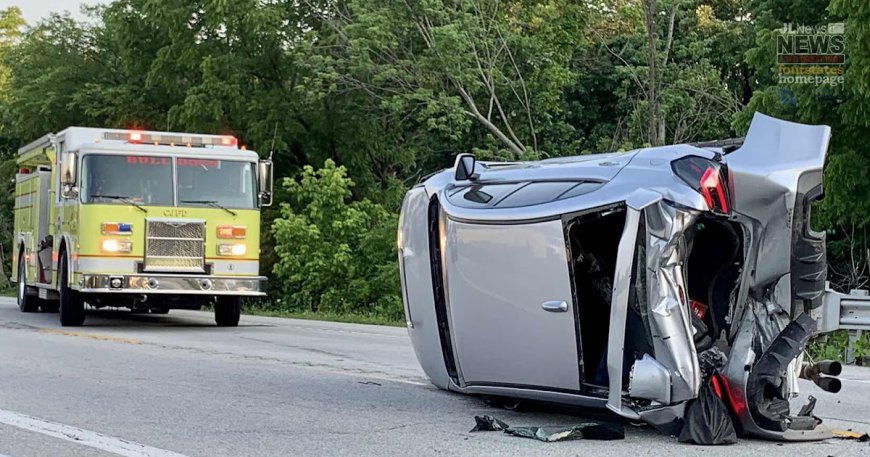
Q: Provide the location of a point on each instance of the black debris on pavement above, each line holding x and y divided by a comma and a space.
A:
588, 431
488, 424
707, 420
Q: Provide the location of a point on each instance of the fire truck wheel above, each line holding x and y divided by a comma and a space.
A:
227, 311
25, 303
72, 306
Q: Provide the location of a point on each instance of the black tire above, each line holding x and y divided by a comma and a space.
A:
72, 306
159, 310
227, 311
27, 304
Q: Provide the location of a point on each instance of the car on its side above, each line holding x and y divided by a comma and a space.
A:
624, 280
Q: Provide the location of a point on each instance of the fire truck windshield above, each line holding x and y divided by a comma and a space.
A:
221, 183
148, 180
115, 178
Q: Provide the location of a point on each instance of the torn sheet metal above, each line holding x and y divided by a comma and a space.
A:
671, 323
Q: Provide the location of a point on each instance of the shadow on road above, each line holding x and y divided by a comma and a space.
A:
116, 318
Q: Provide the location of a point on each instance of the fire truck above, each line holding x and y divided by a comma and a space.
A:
149, 221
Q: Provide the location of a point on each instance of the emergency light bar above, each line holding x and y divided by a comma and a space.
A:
160, 139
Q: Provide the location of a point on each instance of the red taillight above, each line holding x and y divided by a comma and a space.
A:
713, 190
709, 178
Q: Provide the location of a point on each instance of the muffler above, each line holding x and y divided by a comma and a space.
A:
814, 373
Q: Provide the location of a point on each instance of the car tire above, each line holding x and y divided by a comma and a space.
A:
72, 306
227, 311
25, 303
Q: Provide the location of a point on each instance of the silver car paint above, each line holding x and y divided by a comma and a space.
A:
502, 334
764, 174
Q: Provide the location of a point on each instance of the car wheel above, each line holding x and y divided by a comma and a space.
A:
72, 306
227, 311
25, 303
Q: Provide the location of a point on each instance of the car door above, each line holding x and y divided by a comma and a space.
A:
510, 302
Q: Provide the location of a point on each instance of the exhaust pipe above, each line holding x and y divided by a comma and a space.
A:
815, 371
832, 385
826, 367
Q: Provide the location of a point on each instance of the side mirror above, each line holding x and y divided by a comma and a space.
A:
464, 166
68, 175
69, 191
265, 182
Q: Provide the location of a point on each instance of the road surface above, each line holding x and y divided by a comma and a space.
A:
176, 385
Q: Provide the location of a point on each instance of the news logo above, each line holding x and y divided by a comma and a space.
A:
811, 54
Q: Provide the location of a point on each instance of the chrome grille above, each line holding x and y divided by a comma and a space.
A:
175, 245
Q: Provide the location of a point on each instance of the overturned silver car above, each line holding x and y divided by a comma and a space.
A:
625, 280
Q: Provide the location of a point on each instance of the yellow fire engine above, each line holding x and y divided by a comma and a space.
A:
149, 221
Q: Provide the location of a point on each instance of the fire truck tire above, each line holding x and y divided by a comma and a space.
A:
227, 311
27, 304
72, 306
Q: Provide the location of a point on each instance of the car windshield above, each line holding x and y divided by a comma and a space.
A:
125, 179
148, 180
222, 183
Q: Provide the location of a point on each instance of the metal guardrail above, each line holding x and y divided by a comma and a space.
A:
844, 312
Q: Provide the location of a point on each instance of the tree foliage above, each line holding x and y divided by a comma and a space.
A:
336, 254
386, 91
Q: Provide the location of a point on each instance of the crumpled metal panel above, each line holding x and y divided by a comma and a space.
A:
670, 323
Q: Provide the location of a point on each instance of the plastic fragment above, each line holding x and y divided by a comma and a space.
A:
488, 424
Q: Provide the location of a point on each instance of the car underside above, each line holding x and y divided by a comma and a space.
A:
634, 281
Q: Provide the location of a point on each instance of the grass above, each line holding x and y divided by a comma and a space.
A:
833, 346
325, 316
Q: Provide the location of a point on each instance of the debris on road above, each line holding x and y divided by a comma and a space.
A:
707, 420
850, 435
607, 431
488, 424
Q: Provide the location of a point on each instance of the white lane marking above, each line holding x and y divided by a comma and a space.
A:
83, 437
863, 381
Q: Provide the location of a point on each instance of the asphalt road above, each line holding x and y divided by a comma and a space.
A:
176, 385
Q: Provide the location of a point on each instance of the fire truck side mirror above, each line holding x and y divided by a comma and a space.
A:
265, 182
69, 191
68, 175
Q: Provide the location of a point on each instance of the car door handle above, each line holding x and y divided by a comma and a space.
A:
555, 306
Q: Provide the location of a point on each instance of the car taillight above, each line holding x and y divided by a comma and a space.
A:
709, 178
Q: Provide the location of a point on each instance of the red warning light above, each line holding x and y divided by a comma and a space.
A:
229, 141
135, 137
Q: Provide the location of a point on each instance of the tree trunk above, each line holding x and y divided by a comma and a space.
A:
649, 12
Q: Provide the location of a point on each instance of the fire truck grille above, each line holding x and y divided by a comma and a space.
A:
175, 246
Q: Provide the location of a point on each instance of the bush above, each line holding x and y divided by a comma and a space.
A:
334, 254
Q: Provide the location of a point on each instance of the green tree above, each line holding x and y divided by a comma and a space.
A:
335, 254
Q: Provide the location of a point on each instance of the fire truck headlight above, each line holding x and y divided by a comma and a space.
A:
232, 249
111, 245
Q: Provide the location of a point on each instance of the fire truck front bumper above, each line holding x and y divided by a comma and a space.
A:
251, 286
